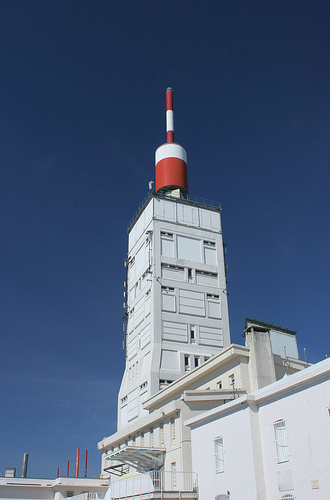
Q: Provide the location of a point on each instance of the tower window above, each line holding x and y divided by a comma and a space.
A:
168, 299
196, 361
193, 334
210, 253
186, 363
167, 244
213, 305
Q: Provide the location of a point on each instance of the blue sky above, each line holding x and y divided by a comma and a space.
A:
82, 94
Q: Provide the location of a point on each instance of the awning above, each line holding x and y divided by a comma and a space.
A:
142, 459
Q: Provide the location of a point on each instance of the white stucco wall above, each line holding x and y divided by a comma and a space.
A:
238, 476
247, 426
307, 423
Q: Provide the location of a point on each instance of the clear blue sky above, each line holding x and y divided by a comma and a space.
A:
82, 94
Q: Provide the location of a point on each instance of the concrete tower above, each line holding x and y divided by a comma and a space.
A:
176, 301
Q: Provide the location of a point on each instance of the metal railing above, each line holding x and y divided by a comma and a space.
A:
192, 200
85, 496
152, 482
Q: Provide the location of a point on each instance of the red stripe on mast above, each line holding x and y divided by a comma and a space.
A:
169, 115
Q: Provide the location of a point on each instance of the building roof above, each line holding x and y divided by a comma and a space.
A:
141, 458
289, 383
268, 326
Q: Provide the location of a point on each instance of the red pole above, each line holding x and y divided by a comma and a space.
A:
58, 472
77, 462
169, 115
67, 469
86, 463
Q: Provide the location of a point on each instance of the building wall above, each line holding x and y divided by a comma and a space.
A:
297, 466
307, 430
238, 474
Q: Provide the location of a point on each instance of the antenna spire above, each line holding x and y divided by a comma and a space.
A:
169, 115
171, 158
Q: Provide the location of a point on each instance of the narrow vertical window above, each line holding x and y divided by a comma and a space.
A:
186, 363
196, 361
280, 440
161, 434
192, 334
232, 381
152, 441
172, 430
173, 475
218, 454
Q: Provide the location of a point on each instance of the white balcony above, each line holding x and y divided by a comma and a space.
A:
155, 485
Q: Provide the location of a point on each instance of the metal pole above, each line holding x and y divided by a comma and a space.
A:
77, 462
25, 464
86, 463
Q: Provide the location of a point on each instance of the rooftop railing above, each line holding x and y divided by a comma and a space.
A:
192, 200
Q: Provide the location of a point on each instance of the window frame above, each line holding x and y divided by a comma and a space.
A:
219, 458
282, 454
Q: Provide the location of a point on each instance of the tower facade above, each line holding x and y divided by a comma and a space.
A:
176, 301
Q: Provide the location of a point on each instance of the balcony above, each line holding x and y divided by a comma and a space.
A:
156, 485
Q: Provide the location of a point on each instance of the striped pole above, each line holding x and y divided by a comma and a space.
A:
171, 158
169, 115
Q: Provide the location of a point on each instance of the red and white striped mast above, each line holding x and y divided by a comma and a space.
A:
171, 158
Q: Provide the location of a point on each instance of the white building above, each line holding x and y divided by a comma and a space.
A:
271, 444
159, 445
23, 488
